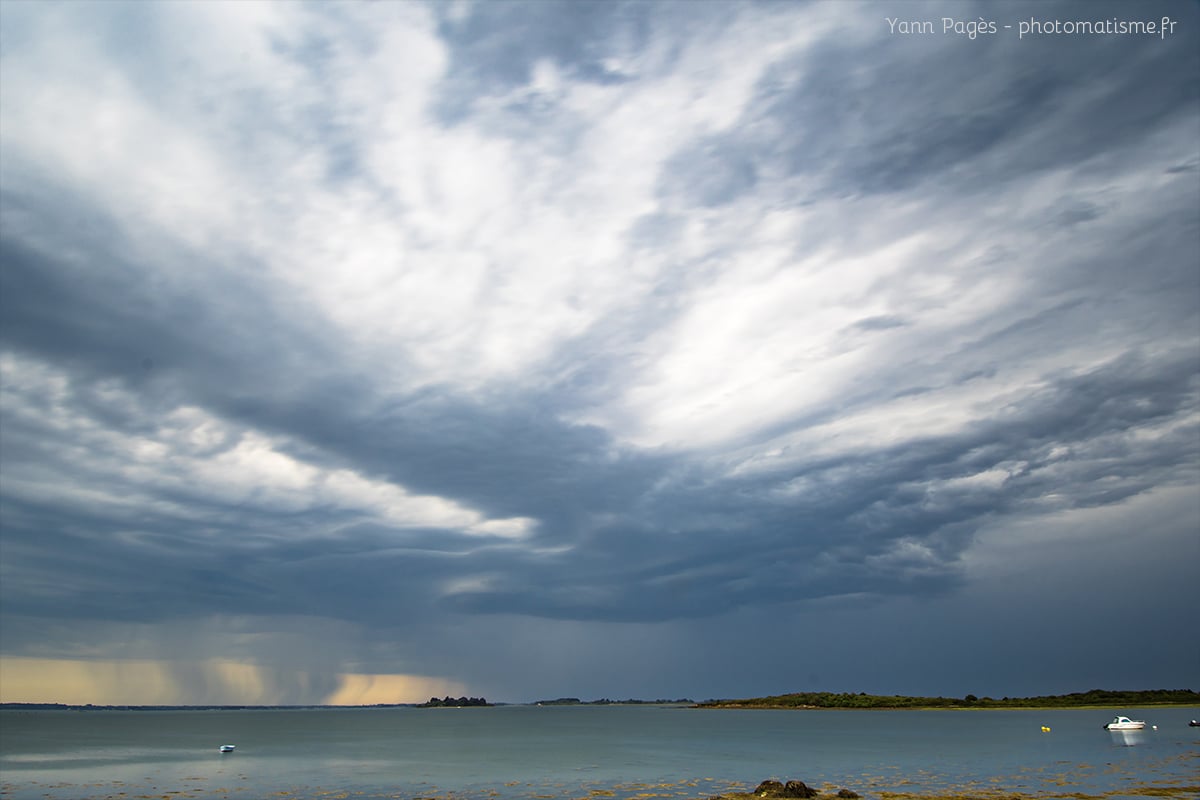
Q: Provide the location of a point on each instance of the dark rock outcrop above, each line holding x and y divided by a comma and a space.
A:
798, 789
773, 789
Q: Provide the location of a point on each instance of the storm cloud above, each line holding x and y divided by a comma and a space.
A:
535, 348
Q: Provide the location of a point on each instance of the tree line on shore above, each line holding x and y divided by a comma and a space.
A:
1095, 697
454, 702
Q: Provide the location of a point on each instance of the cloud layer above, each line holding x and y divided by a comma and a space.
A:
347, 334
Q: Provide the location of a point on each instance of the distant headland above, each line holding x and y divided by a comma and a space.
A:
604, 701
846, 700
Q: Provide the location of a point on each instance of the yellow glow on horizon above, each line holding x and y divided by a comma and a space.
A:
366, 690
76, 682
221, 682
245, 680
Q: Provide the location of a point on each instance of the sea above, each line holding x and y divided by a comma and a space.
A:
626, 752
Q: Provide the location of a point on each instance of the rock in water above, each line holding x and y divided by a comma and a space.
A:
798, 789
791, 789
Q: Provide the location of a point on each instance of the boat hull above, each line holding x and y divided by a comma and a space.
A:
1120, 723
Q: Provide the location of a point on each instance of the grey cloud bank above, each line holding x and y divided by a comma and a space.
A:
583, 348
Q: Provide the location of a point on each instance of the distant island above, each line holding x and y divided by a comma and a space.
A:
604, 701
846, 700
455, 702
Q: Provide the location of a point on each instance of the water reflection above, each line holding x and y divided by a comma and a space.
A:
1128, 738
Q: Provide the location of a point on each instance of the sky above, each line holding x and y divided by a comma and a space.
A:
365, 352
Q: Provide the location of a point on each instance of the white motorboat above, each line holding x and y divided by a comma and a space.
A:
227, 748
1125, 724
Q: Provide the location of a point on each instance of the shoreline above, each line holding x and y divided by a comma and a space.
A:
676, 790
734, 706
969, 792
1093, 699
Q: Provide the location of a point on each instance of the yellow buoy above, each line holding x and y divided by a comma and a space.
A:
1045, 729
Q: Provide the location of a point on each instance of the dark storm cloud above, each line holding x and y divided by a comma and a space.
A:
686, 542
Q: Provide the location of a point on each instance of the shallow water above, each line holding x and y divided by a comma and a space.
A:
523, 752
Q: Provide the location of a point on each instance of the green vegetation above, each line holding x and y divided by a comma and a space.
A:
1096, 697
454, 702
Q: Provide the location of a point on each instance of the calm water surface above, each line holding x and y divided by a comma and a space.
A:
523, 752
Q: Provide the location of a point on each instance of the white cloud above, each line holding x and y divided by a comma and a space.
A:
191, 454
